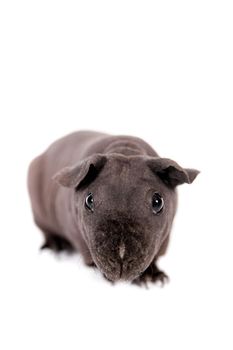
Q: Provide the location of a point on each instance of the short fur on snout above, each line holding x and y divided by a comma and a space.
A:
112, 198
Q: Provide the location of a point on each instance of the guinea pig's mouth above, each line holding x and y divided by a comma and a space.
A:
116, 272
116, 269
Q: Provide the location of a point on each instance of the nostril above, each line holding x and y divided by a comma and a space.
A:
130, 261
111, 261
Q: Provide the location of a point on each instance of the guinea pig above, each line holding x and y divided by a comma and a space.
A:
111, 198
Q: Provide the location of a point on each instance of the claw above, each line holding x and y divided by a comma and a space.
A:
151, 274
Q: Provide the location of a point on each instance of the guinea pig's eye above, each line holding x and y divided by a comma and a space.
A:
89, 202
157, 203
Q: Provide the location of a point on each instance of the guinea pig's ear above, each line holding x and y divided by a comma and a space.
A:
82, 173
170, 172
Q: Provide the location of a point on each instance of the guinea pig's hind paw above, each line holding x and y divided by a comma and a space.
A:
152, 274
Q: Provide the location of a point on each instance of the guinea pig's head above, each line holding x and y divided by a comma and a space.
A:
124, 207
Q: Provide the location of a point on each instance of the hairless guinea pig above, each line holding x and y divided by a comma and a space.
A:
112, 198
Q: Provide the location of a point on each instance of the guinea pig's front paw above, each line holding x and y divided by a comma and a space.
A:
57, 244
151, 274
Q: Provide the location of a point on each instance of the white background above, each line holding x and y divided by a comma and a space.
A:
160, 70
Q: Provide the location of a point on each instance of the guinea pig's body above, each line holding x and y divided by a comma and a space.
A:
112, 198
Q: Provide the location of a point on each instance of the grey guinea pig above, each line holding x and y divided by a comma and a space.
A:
112, 198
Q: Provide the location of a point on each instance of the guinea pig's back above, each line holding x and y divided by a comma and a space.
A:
66, 151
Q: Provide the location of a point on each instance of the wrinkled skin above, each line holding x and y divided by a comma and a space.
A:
122, 235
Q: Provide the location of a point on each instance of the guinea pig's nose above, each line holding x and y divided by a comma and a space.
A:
122, 250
